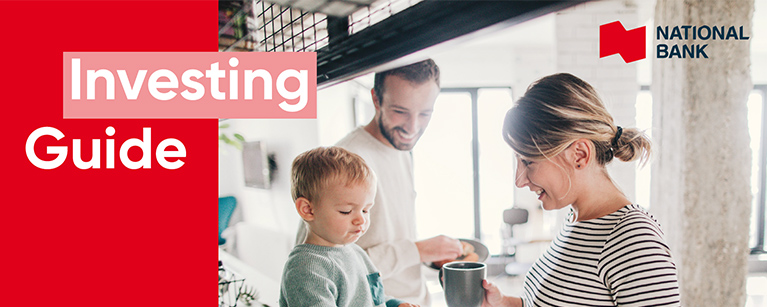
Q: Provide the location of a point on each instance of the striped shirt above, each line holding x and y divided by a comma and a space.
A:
620, 259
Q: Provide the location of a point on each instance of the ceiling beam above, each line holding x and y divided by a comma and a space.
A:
421, 26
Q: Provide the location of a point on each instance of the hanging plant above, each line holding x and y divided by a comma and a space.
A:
235, 140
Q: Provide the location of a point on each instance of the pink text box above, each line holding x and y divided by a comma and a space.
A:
190, 85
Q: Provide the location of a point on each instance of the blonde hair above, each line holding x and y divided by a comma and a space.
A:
559, 109
314, 170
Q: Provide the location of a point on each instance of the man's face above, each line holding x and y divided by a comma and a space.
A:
404, 110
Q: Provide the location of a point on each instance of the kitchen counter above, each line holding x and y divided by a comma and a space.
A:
268, 289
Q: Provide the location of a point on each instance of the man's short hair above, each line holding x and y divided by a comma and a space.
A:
313, 170
417, 73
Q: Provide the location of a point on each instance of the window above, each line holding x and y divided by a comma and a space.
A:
443, 170
756, 118
644, 122
464, 172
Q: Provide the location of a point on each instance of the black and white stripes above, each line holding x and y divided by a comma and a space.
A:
620, 259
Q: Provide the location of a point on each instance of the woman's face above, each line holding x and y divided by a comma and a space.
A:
548, 178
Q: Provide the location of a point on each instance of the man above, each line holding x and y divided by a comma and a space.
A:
404, 100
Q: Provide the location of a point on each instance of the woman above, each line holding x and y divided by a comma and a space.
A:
610, 252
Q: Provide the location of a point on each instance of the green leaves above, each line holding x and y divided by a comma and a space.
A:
235, 140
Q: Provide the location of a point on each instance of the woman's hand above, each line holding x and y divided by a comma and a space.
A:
494, 297
408, 305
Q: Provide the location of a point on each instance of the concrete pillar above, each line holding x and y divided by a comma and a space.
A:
700, 174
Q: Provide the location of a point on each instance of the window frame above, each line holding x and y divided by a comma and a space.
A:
474, 94
760, 208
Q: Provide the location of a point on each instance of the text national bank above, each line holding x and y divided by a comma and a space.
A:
694, 33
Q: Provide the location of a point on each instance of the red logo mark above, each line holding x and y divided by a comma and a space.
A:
613, 38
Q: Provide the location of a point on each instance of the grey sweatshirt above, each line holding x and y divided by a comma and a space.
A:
332, 276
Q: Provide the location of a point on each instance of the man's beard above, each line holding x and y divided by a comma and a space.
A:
388, 134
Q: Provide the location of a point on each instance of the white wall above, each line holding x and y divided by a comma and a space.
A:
511, 57
285, 138
335, 110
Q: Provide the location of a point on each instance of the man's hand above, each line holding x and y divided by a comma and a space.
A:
408, 305
439, 248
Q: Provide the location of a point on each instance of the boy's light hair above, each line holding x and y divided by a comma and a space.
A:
313, 170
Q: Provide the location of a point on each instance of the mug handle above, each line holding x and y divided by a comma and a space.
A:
440, 277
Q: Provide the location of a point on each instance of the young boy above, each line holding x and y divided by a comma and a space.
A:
333, 190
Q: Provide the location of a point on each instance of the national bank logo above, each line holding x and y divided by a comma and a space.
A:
614, 39
671, 42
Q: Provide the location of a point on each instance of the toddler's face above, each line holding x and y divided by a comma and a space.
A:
342, 214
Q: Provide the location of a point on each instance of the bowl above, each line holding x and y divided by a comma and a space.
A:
479, 248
